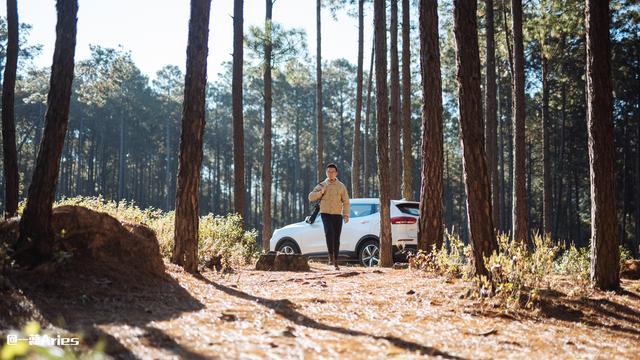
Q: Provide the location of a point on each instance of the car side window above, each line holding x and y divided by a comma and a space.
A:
360, 210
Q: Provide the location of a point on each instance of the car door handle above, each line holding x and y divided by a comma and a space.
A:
364, 222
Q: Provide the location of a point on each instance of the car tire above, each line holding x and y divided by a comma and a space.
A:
288, 247
369, 253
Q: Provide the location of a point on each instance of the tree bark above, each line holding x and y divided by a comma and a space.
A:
394, 125
519, 218
121, 160
560, 163
626, 196
546, 155
637, 182
366, 126
11, 177
605, 258
501, 130
185, 249
35, 225
319, 125
266, 163
168, 158
407, 163
382, 110
430, 226
476, 178
491, 126
355, 153
238, 121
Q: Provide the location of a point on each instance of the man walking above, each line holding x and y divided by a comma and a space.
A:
334, 209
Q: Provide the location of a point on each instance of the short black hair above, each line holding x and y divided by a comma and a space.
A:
332, 165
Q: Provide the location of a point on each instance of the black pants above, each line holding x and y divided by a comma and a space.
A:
332, 229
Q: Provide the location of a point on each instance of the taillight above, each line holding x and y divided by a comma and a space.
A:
403, 220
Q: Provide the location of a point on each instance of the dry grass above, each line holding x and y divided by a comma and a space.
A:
357, 313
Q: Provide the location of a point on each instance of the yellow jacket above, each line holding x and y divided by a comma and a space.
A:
335, 199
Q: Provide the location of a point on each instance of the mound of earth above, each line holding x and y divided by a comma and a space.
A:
97, 263
92, 241
631, 270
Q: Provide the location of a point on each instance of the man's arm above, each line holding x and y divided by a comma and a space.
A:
316, 194
345, 202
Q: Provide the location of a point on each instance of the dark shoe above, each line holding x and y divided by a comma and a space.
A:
336, 267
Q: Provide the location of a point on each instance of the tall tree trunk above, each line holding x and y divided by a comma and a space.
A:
476, 177
35, 224
578, 222
529, 171
355, 153
238, 122
430, 229
520, 227
637, 181
491, 126
382, 110
121, 161
605, 257
407, 176
546, 155
249, 223
367, 114
560, 163
626, 196
185, 249
79, 189
168, 159
266, 163
394, 109
507, 39
11, 177
319, 125
502, 186
297, 191
91, 167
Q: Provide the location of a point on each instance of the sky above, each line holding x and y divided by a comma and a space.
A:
156, 31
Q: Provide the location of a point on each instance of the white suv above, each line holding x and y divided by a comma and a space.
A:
359, 239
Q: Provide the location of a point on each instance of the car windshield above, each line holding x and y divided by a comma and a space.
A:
409, 208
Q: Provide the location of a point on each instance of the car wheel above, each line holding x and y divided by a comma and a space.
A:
288, 247
369, 254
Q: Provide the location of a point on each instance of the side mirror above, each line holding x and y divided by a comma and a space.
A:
307, 219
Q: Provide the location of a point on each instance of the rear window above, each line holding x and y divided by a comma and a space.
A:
409, 208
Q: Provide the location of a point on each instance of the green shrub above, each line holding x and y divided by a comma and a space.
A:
574, 262
517, 273
220, 236
450, 259
625, 255
223, 236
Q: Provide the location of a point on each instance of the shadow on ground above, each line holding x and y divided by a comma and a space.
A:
286, 309
82, 300
595, 312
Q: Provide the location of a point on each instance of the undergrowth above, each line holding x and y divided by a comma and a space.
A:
221, 237
517, 273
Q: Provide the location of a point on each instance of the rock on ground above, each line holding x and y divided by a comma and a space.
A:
282, 262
